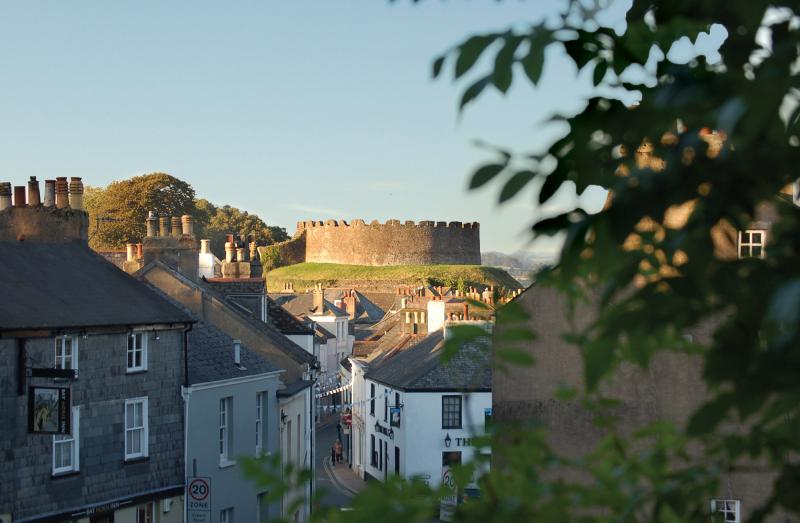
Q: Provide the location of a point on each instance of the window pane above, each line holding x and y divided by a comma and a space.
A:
755, 237
756, 250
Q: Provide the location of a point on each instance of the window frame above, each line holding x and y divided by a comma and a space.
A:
142, 353
750, 244
445, 424
736, 509
225, 430
226, 515
261, 405
144, 450
74, 441
149, 511
73, 358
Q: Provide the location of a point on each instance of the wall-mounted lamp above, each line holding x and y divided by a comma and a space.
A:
447, 440
84, 334
156, 336
283, 417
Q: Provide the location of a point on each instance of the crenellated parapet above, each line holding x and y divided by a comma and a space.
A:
311, 224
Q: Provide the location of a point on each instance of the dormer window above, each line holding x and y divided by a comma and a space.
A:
752, 243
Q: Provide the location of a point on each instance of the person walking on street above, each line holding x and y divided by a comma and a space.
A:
338, 447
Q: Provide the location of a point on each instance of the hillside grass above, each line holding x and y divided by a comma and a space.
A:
305, 275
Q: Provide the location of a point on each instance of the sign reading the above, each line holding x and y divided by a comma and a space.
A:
198, 500
49, 410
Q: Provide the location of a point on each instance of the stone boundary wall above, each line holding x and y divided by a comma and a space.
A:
289, 252
391, 243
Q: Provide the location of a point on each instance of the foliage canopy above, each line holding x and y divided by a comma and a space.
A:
659, 280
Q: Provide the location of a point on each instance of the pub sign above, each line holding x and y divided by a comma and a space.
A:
49, 410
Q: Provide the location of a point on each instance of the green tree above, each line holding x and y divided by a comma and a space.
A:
230, 220
671, 279
117, 213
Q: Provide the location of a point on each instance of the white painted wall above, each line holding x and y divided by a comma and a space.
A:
436, 315
297, 451
420, 437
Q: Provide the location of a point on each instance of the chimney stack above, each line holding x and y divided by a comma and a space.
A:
33, 192
76, 193
62, 192
49, 193
319, 299
5, 195
237, 352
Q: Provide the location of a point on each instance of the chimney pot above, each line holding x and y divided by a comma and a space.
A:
205, 246
139, 251
175, 229
240, 254
152, 224
228, 251
62, 192
5, 195
163, 226
130, 249
188, 225
76, 193
19, 196
33, 192
49, 193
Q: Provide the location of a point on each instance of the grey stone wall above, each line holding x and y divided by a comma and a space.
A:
27, 486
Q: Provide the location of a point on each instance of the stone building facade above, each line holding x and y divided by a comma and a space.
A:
72, 322
390, 243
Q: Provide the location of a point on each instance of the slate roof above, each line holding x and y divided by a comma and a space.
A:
420, 369
67, 285
302, 304
284, 321
283, 343
211, 357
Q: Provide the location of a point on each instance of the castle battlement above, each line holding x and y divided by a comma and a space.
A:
310, 224
391, 243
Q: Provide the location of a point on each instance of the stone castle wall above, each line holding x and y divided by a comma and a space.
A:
391, 243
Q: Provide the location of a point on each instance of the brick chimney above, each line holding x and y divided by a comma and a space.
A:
349, 301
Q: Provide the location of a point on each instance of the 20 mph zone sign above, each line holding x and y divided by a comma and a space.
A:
198, 500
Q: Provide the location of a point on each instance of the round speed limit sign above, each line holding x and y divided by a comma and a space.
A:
198, 489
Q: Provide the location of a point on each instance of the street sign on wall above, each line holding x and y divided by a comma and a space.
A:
198, 500
49, 410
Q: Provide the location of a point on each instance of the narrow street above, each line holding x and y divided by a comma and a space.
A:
334, 495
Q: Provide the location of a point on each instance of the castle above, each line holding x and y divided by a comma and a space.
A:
390, 243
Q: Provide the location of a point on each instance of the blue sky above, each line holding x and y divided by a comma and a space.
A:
292, 110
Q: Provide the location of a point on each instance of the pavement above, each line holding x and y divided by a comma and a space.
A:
337, 482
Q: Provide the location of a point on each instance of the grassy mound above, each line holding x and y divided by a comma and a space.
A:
305, 275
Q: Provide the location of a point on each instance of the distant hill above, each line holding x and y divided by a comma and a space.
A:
521, 265
387, 277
